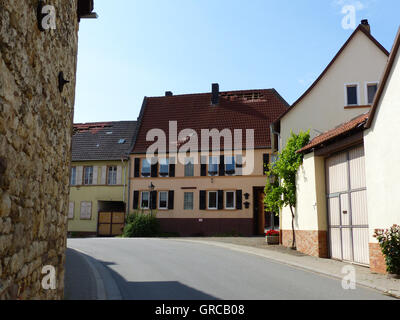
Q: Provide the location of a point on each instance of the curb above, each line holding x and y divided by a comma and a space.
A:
241, 248
97, 269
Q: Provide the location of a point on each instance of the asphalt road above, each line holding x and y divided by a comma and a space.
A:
157, 269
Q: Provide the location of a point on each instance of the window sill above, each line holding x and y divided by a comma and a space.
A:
358, 107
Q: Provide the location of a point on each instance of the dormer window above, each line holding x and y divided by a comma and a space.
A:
372, 88
352, 98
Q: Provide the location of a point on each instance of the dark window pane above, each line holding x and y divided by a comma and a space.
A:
212, 200
371, 93
230, 200
352, 95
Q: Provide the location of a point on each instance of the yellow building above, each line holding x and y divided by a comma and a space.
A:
207, 190
99, 178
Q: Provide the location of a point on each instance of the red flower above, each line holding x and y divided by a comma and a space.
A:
272, 233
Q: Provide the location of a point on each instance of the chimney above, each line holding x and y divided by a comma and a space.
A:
215, 94
168, 93
366, 25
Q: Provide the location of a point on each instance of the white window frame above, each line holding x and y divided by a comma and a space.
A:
347, 85
234, 200
216, 200
159, 200
84, 176
115, 173
141, 168
167, 164
192, 193
148, 200
367, 84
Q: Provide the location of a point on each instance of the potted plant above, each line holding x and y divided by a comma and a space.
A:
389, 241
272, 237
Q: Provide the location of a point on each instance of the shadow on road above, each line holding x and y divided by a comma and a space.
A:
80, 284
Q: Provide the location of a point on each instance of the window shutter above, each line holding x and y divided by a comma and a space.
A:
71, 211
119, 175
220, 200
103, 175
154, 169
171, 197
222, 166
239, 200
239, 165
153, 196
203, 166
137, 167
203, 196
135, 200
265, 163
172, 167
95, 175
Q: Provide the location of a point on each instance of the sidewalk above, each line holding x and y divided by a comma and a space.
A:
287, 256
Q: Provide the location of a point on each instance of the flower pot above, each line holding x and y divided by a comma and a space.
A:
272, 239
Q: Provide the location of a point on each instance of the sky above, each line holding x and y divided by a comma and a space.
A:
144, 48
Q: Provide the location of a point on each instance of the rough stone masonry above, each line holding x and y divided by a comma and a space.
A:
35, 138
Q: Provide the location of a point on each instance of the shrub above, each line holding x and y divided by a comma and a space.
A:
389, 241
141, 226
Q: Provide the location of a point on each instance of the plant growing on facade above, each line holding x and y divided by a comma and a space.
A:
280, 190
389, 241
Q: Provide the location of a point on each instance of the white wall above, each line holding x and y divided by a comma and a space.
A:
323, 108
382, 148
311, 197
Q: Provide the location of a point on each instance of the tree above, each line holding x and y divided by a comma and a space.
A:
280, 190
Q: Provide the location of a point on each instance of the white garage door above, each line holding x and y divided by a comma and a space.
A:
347, 206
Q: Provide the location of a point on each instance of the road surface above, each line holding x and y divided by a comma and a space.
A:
161, 269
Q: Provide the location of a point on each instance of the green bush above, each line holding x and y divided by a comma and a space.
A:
389, 241
141, 226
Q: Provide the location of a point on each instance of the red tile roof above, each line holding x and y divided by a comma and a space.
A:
343, 129
250, 109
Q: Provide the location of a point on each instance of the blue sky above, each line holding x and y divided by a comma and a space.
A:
144, 48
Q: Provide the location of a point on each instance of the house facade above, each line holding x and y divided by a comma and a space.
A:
205, 189
354, 164
344, 91
99, 178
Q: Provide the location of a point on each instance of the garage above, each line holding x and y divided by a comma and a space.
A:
348, 232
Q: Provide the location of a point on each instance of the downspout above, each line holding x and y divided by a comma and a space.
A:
124, 168
129, 187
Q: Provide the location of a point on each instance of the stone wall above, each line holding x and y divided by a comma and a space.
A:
312, 243
35, 138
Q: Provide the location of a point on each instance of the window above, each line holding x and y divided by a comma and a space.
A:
213, 166
146, 168
213, 200
352, 94
73, 176
188, 201
163, 200
145, 203
164, 167
86, 210
372, 88
88, 175
112, 176
189, 167
230, 200
230, 165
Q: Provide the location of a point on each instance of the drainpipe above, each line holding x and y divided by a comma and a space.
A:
124, 168
129, 187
